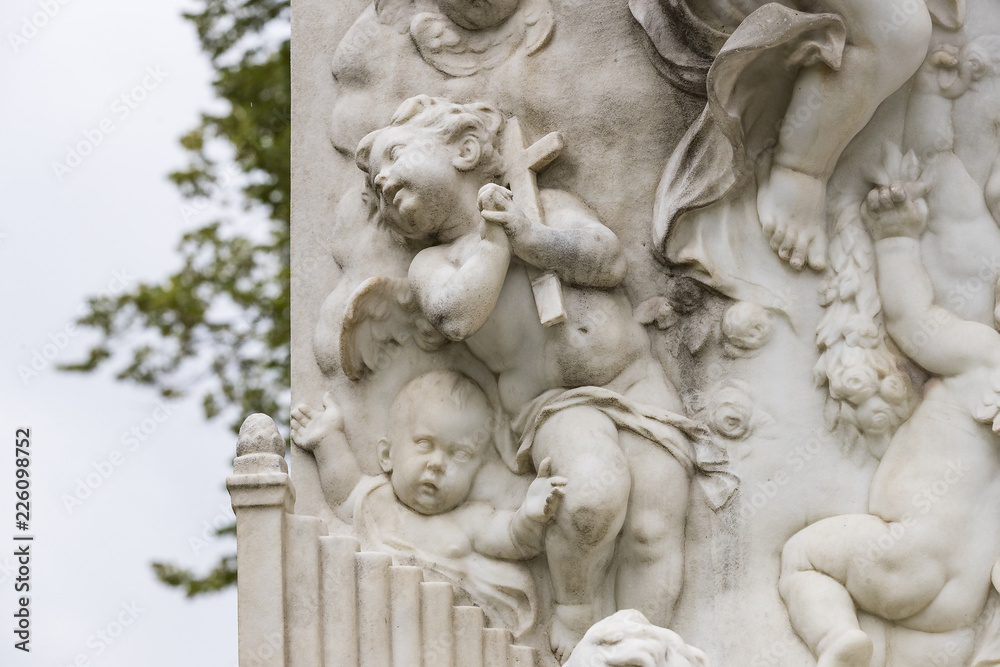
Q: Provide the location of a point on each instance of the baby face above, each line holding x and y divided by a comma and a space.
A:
415, 180
435, 452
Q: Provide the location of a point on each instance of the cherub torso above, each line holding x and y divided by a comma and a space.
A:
598, 340
441, 534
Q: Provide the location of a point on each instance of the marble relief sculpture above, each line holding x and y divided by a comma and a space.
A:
583, 394
636, 332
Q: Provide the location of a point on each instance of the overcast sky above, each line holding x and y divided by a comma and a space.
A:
72, 227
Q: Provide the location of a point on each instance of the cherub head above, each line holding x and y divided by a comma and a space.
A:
440, 432
428, 164
478, 14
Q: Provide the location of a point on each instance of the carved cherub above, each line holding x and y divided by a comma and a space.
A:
961, 245
876, 61
439, 435
846, 58
586, 394
922, 558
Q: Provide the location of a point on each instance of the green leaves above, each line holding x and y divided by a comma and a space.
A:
220, 324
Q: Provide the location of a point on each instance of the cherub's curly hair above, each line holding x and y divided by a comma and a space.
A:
451, 122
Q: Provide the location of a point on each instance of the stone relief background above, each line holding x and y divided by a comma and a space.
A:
791, 370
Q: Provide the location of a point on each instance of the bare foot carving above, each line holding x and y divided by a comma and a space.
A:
791, 207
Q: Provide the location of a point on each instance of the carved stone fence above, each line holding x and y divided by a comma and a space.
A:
307, 599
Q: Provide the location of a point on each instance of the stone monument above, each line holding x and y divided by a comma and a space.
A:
635, 332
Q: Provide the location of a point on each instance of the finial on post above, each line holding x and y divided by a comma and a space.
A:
259, 447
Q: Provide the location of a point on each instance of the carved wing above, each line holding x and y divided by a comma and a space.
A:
382, 317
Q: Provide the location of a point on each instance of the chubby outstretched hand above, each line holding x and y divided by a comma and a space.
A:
544, 494
496, 203
898, 209
310, 427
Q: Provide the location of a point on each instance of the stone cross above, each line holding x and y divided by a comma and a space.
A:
521, 166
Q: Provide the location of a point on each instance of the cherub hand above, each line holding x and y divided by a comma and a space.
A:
544, 494
310, 429
498, 208
896, 210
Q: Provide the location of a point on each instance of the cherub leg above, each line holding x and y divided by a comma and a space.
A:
837, 563
583, 446
651, 550
827, 109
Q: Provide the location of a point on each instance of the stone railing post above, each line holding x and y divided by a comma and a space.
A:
262, 497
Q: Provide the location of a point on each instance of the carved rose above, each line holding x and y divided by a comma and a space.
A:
875, 416
657, 311
686, 296
893, 390
746, 327
856, 383
731, 413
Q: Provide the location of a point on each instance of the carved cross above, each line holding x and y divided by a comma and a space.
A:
522, 162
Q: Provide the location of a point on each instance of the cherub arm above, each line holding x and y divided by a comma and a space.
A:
929, 128
519, 535
573, 242
458, 298
932, 336
323, 435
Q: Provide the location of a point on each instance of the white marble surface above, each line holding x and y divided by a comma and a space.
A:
722, 358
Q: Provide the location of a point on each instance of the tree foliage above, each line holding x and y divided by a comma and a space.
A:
220, 324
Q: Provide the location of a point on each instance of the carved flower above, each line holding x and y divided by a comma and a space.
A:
893, 389
861, 332
855, 383
731, 413
686, 296
745, 327
657, 311
875, 417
